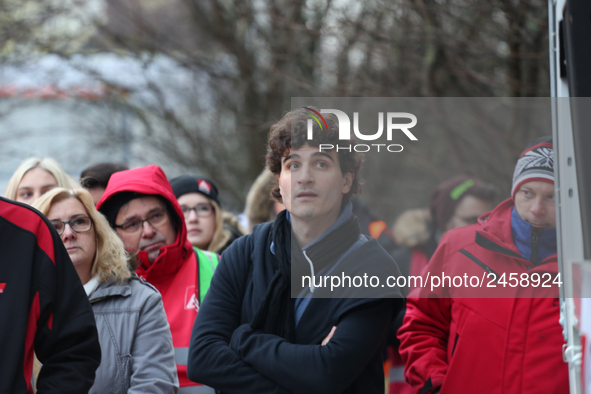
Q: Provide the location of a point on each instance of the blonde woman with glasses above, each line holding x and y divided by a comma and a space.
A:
135, 338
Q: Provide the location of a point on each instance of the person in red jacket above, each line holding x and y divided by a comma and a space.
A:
43, 309
140, 205
455, 202
508, 344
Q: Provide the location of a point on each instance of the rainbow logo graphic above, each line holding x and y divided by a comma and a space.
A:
316, 115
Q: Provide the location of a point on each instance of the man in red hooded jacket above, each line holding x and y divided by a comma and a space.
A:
140, 205
508, 344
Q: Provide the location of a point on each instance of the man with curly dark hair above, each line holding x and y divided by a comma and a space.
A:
262, 327
291, 133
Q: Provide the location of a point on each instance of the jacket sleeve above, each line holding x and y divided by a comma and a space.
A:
360, 333
424, 334
154, 369
66, 341
423, 341
211, 361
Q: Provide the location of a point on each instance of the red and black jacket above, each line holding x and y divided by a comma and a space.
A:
43, 309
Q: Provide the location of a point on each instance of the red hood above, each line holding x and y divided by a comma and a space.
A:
151, 180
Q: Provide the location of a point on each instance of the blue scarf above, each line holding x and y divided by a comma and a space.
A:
522, 236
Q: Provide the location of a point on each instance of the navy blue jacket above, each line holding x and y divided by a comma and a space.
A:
226, 354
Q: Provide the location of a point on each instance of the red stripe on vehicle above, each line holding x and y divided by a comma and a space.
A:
27, 219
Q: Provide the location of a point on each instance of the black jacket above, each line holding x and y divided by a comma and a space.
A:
262, 363
43, 308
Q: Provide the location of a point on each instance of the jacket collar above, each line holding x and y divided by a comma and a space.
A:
496, 233
110, 289
170, 260
344, 216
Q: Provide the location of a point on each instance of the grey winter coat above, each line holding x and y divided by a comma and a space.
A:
136, 344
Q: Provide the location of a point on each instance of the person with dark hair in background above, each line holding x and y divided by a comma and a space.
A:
251, 335
43, 309
208, 226
456, 202
509, 344
141, 207
96, 177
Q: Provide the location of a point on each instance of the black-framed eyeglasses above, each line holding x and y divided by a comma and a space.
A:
80, 224
155, 219
201, 210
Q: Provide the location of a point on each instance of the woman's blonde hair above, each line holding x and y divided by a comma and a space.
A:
220, 237
260, 205
63, 180
110, 259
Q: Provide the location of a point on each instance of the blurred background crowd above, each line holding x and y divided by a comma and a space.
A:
194, 85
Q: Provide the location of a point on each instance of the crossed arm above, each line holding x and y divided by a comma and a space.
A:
233, 358
316, 368
211, 360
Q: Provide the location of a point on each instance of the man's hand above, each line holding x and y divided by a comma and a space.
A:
330, 334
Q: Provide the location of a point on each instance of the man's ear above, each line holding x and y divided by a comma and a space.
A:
277, 179
348, 178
